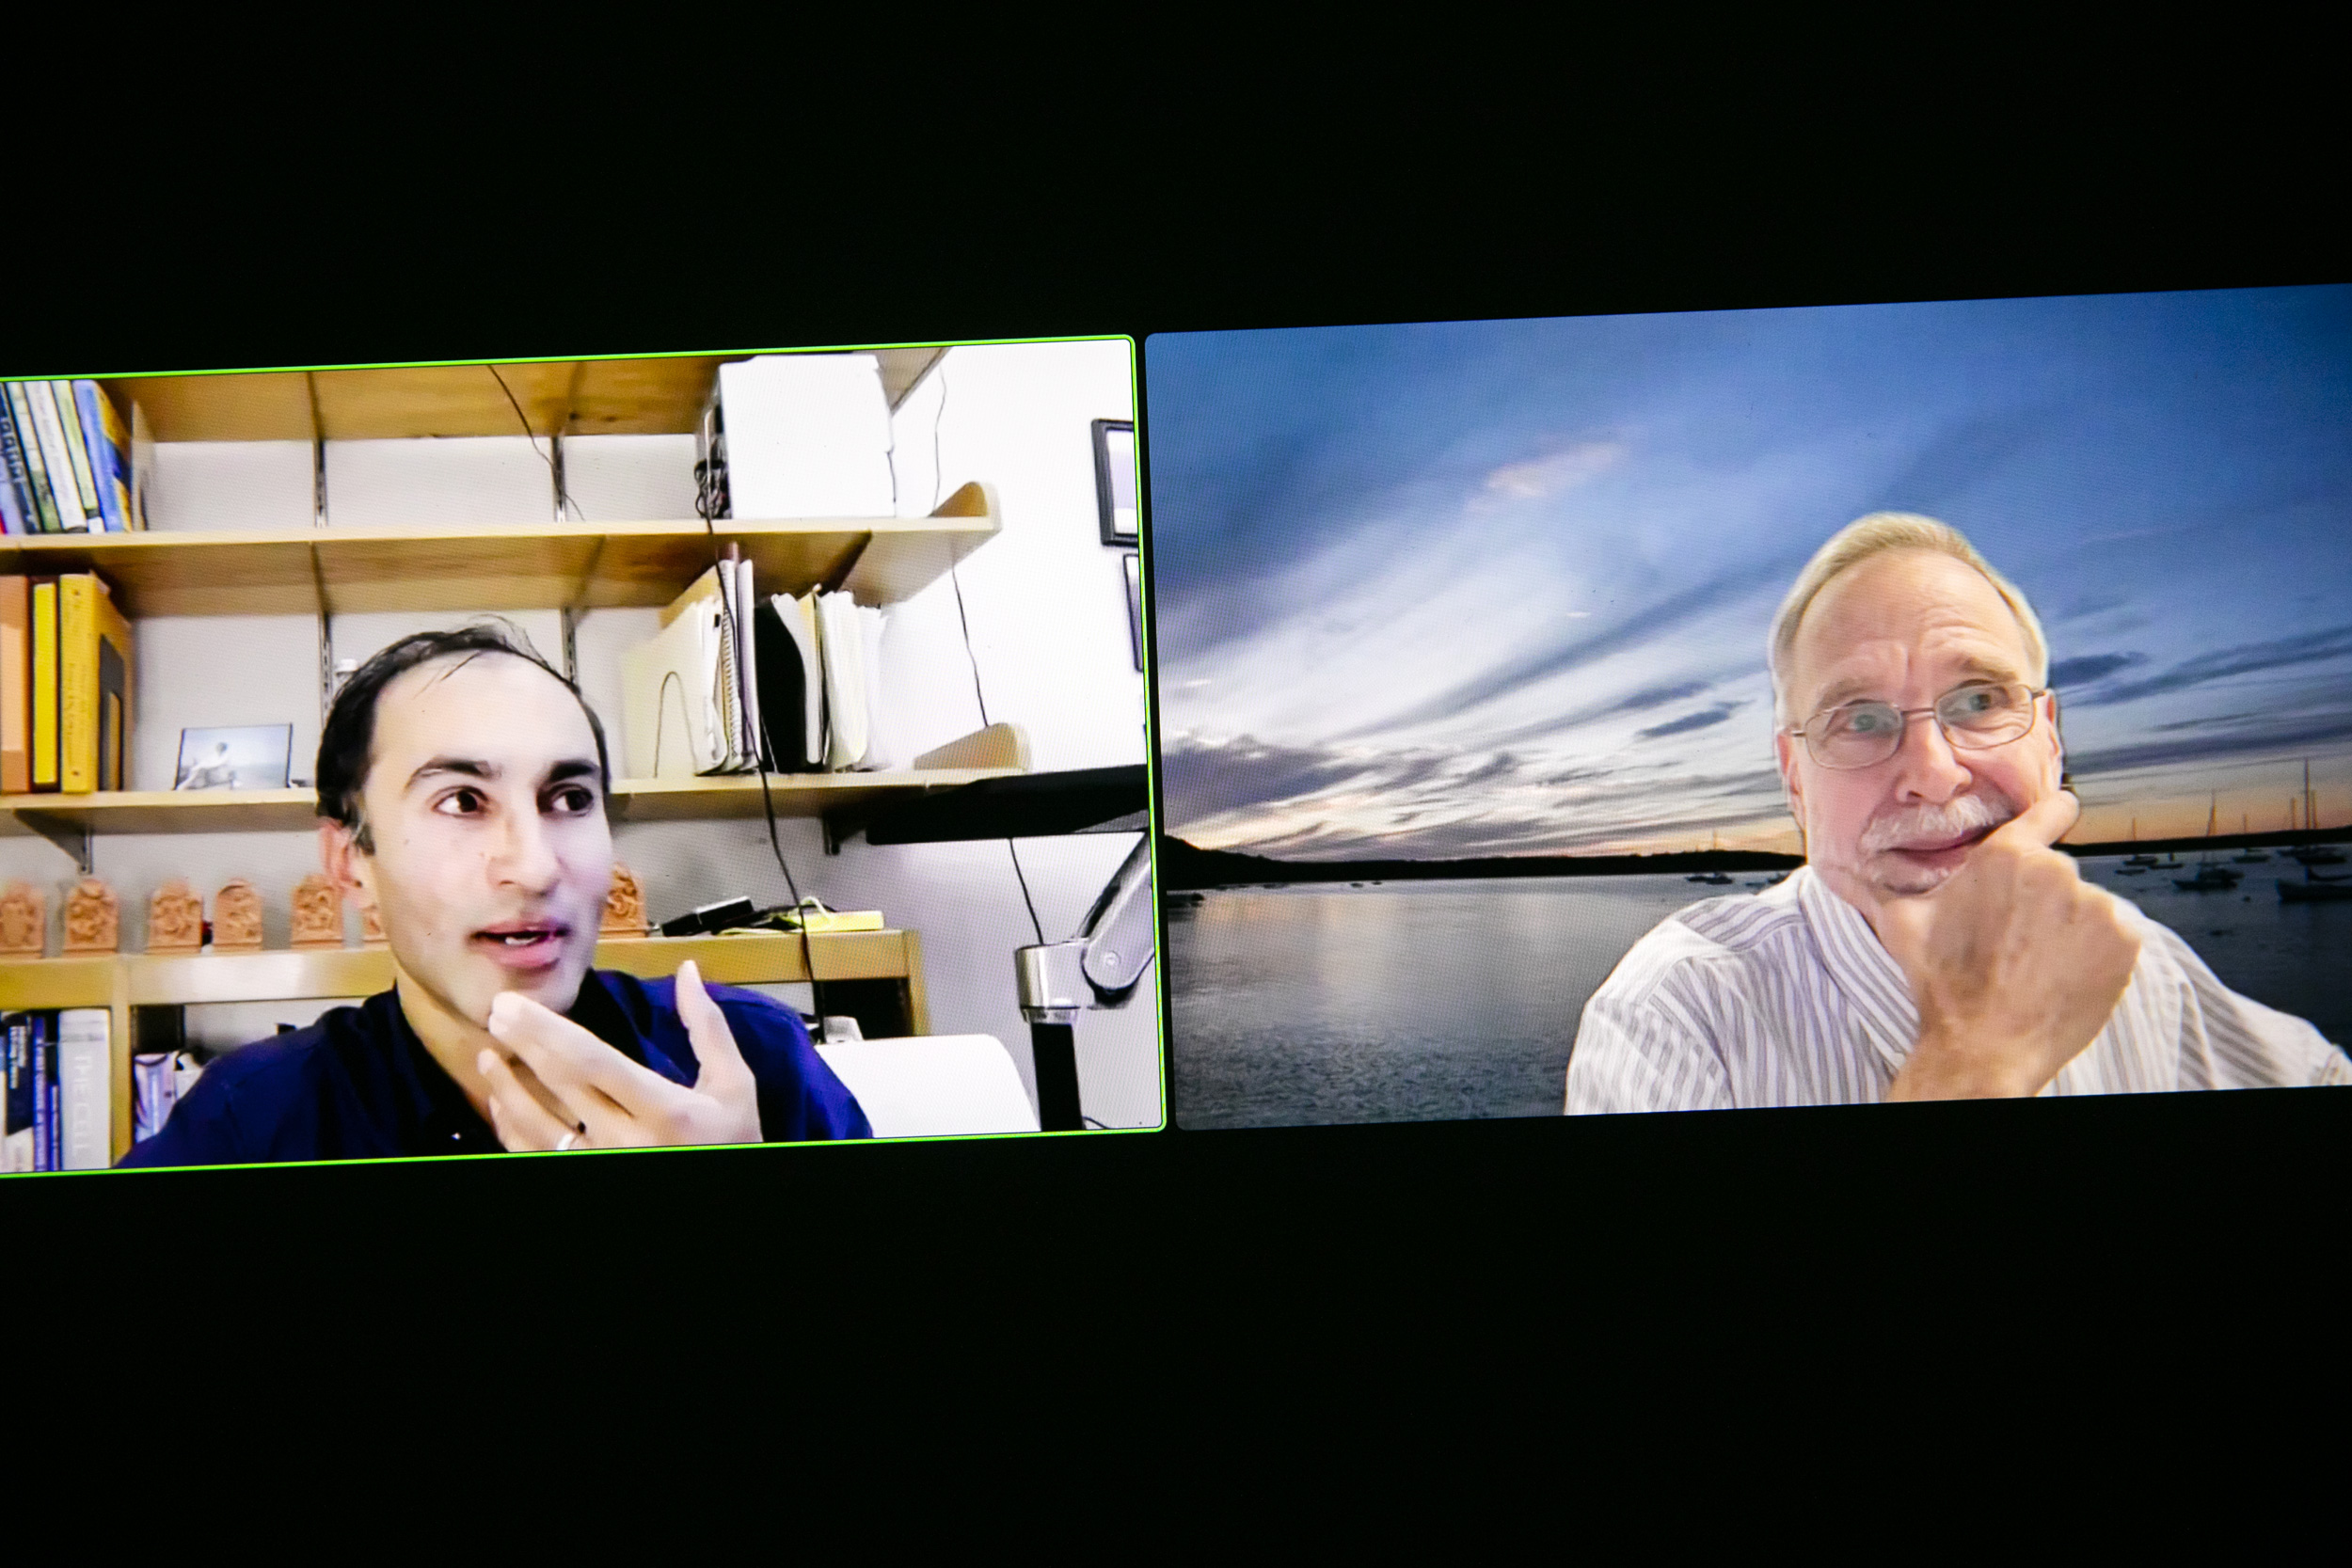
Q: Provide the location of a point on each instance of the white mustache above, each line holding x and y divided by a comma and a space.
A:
1957, 818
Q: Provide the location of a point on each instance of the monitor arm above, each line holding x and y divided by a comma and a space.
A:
1100, 967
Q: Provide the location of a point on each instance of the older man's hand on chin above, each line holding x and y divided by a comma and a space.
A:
2016, 963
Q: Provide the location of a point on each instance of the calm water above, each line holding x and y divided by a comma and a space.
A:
1442, 1000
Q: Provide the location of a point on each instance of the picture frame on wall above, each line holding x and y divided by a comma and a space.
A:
1134, 564
1115, 480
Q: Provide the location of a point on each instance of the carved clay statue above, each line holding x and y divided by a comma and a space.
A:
175, 919
24, 922
623, 907
372, 927
237, 918
94, 921
318, 913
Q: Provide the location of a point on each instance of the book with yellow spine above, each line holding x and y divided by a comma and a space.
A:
93, 685
44, 683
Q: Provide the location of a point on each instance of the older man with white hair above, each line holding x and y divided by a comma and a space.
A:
1934, 945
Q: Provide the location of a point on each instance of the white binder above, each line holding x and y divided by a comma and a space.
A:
674, 723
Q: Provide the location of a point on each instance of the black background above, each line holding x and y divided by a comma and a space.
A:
1317, 1264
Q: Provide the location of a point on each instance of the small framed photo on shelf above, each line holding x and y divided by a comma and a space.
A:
1134, 603
250, 756
1115, 478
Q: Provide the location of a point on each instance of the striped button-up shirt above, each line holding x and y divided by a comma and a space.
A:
1785, 998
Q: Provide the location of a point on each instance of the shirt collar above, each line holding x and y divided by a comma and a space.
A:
439, 1119
1861, 968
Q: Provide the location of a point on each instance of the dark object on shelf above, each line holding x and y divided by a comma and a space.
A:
710, 918
1029, 805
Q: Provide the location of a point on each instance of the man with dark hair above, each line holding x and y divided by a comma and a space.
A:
462, 786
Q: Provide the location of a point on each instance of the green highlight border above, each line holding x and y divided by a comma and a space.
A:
1161, 1021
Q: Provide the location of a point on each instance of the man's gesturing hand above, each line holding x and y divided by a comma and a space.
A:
566, 1072
2015, 963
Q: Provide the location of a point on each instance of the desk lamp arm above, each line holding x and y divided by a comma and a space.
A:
1100, 967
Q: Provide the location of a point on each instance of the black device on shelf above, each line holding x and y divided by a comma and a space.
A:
719, 916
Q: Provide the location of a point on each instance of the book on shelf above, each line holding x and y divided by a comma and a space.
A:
76, 450
142, 465
94, 684
85, 1073
41, 508
59, 1108
66, 681
16, 690
18, 1146
41, 674
32, 1142
109, 445
56, 459
17, 513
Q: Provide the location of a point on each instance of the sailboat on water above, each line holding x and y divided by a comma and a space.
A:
2211, 877
2249, 855
2311, 854
2138, 864
1712, 879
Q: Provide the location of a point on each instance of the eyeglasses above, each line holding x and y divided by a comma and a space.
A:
1974, 717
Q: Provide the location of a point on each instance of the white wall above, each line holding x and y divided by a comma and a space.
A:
1047, 607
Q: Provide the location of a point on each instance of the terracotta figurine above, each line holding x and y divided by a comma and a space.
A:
237, 918
24, 922
623, 907
175, 919
371, 928
94, 921
318, 913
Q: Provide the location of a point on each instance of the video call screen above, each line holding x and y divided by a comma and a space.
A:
574, 755
1675, 712
1391, 723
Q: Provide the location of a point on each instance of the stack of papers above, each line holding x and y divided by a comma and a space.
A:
735, 681
808, 435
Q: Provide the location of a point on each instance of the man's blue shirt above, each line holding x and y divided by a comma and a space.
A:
359, 1084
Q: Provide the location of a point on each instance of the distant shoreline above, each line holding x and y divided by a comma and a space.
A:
1183, 868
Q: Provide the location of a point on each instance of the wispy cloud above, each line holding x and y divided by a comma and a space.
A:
2089, 667
1538, 478
1705, 719
2253, 736
2247, 659
1583, 649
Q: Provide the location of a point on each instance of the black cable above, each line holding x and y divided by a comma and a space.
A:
706, 493
563, 495
964, 620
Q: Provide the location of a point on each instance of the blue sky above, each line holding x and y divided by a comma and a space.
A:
1503, 587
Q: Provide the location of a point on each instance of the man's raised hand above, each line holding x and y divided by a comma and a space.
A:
2016, 962
612, 1101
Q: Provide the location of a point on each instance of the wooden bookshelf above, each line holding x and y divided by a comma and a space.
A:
537, 564
645, 396
997, 752
526, 565
122, 983
165, 810
266, 811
